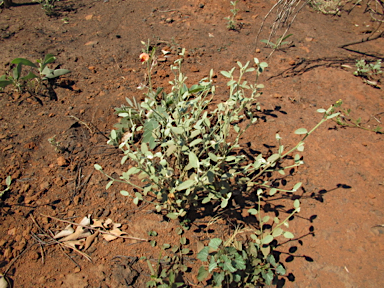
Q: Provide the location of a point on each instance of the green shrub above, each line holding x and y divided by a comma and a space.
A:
184, 153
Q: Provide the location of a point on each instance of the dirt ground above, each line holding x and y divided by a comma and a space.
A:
339, 241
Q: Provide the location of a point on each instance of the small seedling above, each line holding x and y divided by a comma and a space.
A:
44, 73
344, 119
279, 42
8, 182
48, 6
231, 21
56, 145
368, 71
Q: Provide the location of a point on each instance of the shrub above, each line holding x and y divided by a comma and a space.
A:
185, 153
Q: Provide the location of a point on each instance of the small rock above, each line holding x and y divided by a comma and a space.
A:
257, 50
194, 68
91, 43
76, 200
169, 20
7, 253
61, 161
45, 186
292, 62
77, 270
33, 255
12, 231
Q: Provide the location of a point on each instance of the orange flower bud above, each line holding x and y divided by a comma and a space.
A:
144, 57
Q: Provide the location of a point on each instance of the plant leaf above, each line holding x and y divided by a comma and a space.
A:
202, 274
288, 235
185, 185
24, 62
301, 131
215, 243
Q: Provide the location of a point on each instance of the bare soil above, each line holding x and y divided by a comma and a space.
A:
338, 242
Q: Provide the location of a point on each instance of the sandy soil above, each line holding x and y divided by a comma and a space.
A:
338, 242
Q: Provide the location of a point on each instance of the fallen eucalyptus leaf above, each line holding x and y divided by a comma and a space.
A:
67, 231
115, 231
3, 281
97, 224
72, 244
107, 222
89, 240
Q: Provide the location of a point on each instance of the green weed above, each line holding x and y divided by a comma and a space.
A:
22, 82
279, 42
231, 21
344, 119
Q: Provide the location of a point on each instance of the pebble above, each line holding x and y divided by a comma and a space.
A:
76, 200
33, 255
45, 186
7, 253
61, 161
77, 270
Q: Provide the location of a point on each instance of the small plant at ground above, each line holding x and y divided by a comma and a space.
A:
48, 6
279, 42
332, 7
231, 21
56, 145
368, 71
344, 119
238, 264
31, 79
8, 182
169, 267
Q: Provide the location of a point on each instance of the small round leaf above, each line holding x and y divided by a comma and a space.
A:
301, 131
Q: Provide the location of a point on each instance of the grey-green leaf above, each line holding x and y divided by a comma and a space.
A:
266, 240
288, 235
301, 131
215, 243
185, 185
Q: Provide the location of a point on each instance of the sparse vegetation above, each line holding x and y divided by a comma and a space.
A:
32, 82
231, 20
368, 71
186, 156
332, 7
279, 42
344, 119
